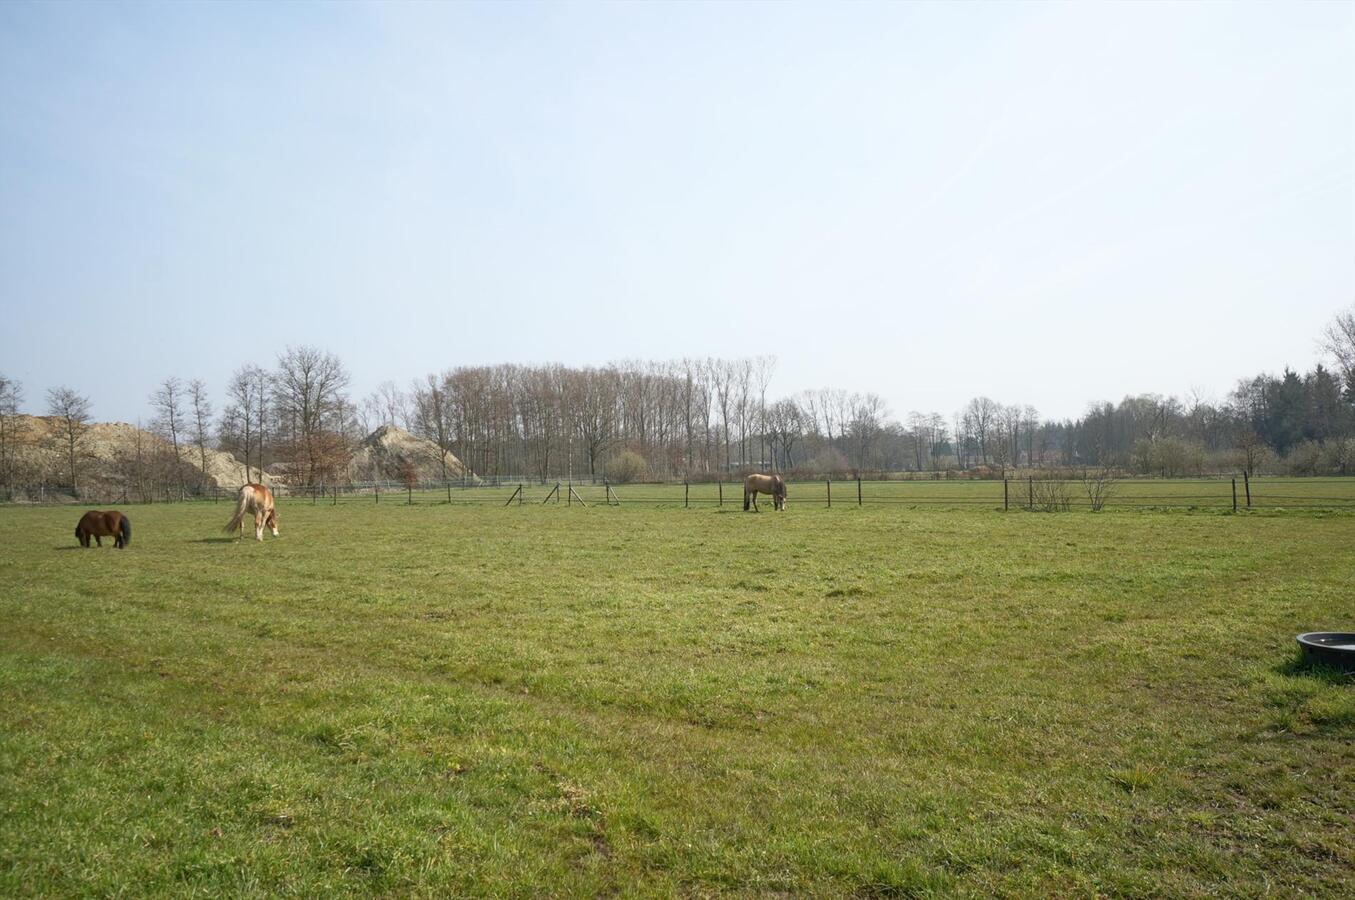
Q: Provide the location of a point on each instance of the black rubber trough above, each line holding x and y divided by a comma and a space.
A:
1329, 648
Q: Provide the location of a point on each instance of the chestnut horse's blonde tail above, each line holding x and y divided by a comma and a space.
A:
241, 510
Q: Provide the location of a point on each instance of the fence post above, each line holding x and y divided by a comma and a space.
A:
829, 482
858, 490
1234, 495
376, 489
686, 495
721, 486
1031, 480
1006, 503
1246, 484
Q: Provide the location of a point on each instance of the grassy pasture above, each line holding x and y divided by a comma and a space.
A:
436, 700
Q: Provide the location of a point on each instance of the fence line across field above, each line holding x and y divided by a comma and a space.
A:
1012, 493
1025, 492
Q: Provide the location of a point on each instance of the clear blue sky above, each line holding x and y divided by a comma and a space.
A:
1046, 203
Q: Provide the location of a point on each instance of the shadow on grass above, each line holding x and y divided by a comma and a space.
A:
1299, 667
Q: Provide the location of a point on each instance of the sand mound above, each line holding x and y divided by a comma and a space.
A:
113, 459
382, 455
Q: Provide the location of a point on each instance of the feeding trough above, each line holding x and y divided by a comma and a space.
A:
1329, 648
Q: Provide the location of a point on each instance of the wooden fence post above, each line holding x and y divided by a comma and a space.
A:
829, 482
1006, 502
858, 490
721, 486
1234, 495
1031, 480
686, 495
1246, 484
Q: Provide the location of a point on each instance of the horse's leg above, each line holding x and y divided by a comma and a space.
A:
258, 526
98, 540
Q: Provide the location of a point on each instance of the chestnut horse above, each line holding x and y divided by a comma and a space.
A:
764, 484
96, 524
256, 499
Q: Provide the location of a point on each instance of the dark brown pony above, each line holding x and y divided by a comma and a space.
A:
256, 499
764, 484
96, 524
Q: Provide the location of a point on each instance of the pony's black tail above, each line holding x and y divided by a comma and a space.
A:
126, 531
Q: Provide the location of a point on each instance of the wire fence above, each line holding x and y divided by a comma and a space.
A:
1028, 493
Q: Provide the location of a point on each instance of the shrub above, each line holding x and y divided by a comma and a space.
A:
625, 467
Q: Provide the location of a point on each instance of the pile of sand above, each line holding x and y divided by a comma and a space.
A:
382, 455
108, 458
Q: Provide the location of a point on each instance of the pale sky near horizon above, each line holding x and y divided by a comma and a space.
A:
1050, 204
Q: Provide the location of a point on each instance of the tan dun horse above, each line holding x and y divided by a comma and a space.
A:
97, 525
764, 484
256, 499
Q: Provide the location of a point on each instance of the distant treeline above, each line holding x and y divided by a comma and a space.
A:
706, 418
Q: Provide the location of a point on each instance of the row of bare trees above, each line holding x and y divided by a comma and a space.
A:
692, 418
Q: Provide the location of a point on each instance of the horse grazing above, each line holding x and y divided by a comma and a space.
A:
764, 484
96, 524
256, 499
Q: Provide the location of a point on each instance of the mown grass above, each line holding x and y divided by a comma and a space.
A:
436, 700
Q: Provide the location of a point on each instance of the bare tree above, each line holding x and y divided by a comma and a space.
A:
785, 425
238, 420
167, 401
200, 422
1339, 340
866, 422
11, 396
387, 405
309, 402
72, 410
763, 368
431, 415
981, 415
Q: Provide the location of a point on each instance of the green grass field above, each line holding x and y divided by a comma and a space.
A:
437, 700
